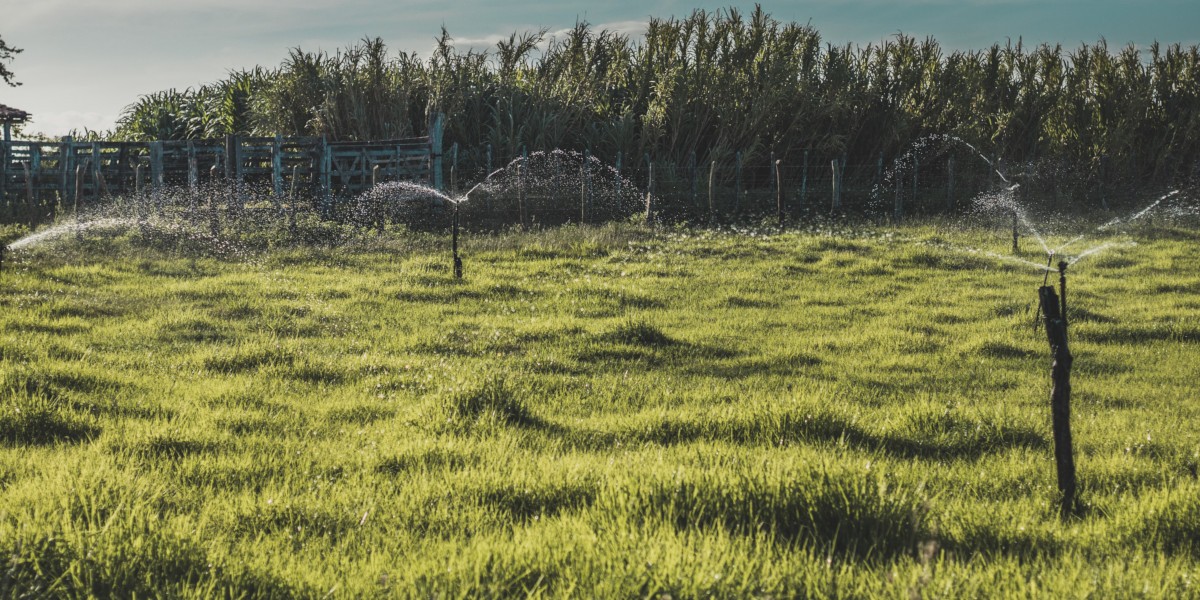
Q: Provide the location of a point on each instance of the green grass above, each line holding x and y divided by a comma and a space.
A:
594, 412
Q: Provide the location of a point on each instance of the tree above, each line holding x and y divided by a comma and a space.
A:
7, 53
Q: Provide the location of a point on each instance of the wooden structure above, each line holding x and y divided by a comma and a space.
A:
34, 174
8, 116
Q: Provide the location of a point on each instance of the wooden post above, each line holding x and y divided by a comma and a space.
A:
5, 157
583, 178
836, 202
231, 170
737, 183
804, 180
214, 215
692, 172
916, 175
375, 175
617, 171
66, 164
712, 205
156, 173
28, 190
193, 166
489, 160
292, 201
521, 169
898, 202
879, 169
779, 193
950, 184
650, 193
436, 129
80, 171
95, 170
453, 166
277, 168
1016, 247
35, 166
1054, 311
326, 168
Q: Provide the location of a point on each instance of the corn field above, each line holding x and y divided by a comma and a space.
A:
706, 87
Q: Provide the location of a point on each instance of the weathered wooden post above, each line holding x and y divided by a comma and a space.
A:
650, 193
804, 180
29, 191
458, 266
156, 173
292, 201
325, 176
277, 168
489, 160
214, 215
617, 171
779, 193
453, 166
692, 172
950, 184
1054, 309
583, 178
1016, 249
437, 128
712, 205
836, 198
737, 183
79, 171
193, 166
898, 201
916, 176
66, 167
521, 168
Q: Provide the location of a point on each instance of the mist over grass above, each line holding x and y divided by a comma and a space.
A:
594, 411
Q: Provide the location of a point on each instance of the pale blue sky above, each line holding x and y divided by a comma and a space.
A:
85, 60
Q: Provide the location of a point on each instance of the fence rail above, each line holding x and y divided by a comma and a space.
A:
37, 177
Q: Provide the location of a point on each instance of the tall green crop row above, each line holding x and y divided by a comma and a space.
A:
715, 83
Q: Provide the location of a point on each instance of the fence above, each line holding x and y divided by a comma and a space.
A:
36, 178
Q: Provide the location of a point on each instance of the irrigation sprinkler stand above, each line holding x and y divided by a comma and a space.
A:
458, 269
1054, 309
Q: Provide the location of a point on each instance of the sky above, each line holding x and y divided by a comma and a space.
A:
85, 60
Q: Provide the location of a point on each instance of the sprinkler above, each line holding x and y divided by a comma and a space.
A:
3, 252
458, 267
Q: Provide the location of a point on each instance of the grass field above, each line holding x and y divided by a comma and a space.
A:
597, 412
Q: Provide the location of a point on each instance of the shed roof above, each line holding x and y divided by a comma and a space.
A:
9, 114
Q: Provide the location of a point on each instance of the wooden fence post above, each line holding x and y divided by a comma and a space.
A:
617, 170
5, 157
737, 183
277, 168
898, 202
712, 205
436, 129
916, 176
66, 164
692, 172
95, 174
779, 193
836, 201
29, 190
1054, 309
650, 192
79, 171
156, 172
583, 189
950, 184
326, 167
292, 201
193, 166
804, 180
